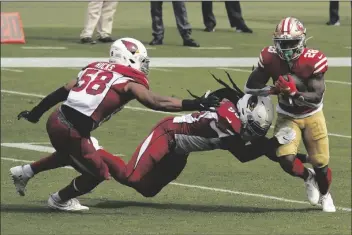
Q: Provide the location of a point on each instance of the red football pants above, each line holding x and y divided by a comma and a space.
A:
153, 164
74, 149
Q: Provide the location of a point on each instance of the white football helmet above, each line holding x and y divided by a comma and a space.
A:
289, 38
130, 52
256, 114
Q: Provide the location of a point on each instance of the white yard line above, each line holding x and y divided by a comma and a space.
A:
137, 108
43, 48
12, 70
348, 48
249, 71
156, 62
219, 190
163, 70
210, 48
37, 147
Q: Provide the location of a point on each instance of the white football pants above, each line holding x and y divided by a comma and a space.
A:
100, 14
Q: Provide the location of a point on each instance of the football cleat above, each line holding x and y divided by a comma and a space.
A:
20, 179
327, 203
312, 188
70, 205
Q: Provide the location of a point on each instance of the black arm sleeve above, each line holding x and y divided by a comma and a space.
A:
249, 152
49, 101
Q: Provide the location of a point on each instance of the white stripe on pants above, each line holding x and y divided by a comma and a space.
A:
100, 14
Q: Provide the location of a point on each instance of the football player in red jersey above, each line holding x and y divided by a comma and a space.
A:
101, 90
163, 154
298, 75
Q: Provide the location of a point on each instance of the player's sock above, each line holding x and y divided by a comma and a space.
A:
27, 169
299, 170
117, 166
294, 168
81, 185
47, 163
303, 157
323, 178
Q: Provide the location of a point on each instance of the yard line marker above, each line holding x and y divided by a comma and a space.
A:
36, 147
214, 189
140, 109
237, 70
348, 47
249, 71
150, 48
163, 70
12, 70
210, 48
43, 48
159, 62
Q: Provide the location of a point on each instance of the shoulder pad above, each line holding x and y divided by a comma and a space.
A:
227, 113
315, 60
265, 56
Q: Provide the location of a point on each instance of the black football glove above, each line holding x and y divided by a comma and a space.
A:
30, 116
206, 102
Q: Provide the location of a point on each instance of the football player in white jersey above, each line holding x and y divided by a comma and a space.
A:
101, 90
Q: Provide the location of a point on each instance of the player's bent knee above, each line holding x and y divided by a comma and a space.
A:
319, 160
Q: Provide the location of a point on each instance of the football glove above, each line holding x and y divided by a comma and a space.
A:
30, 116
286, 86
205, 102
285, 135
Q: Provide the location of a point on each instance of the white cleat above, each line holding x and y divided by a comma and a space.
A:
327, 203
20, 179
71, 205
312, 189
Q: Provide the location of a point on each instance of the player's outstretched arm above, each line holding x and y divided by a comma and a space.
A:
259, 146
245, 153
48, 102
256, 83
165, 103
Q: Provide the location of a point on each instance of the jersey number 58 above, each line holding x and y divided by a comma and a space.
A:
93, 81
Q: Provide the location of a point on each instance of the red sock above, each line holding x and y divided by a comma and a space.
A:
299, 170
117, 166
50, 162
323, 180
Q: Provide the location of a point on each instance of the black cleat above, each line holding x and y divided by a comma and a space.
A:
105, 40
156, 41
87, 40
209, 29
190, 43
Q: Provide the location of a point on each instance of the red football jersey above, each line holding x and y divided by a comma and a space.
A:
98, 93
309, 63
202, 131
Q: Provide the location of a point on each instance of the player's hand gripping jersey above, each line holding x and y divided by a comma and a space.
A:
307, 66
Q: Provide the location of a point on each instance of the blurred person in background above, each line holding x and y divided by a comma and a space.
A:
182, 23
234, 15
334, 18
100, 15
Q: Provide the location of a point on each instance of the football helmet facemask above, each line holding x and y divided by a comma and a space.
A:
289, 38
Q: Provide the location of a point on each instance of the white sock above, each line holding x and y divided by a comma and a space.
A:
56, 197
27, 169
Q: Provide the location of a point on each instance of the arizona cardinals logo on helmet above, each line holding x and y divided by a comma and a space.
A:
130, 46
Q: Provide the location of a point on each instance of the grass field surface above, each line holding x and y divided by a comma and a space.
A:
216, 194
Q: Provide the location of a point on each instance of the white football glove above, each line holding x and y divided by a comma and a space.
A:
285, 135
